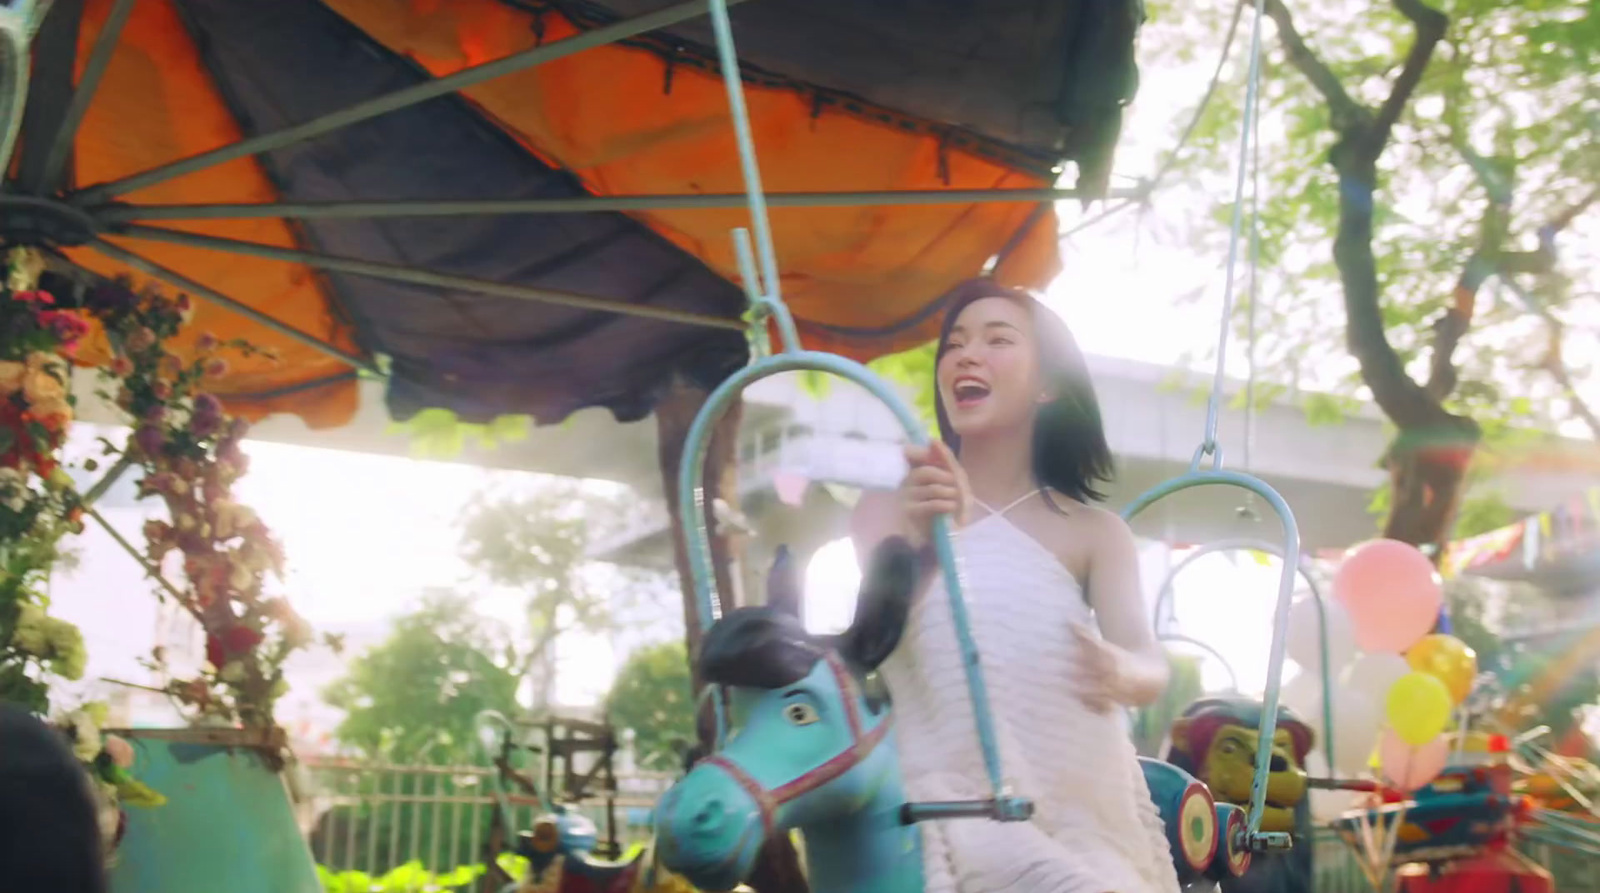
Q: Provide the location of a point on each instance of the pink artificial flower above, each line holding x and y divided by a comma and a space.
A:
121, 366
37, 296
120, 751
206, 342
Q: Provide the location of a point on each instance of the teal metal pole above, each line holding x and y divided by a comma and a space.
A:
1195, 477
691, 495
1164, 595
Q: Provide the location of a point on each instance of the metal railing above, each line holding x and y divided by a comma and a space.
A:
372, 817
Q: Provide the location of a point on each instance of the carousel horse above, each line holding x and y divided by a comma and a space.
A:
814, 749
1216, 739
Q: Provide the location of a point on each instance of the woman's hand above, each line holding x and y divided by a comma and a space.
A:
936, 485
1102, 671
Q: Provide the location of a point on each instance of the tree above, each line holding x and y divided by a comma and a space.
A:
444, 662
415, 695
652, 697
1426, 152
536, 542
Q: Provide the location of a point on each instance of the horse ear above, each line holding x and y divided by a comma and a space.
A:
882, 605
783, 583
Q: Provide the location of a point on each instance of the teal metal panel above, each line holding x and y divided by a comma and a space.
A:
227, 824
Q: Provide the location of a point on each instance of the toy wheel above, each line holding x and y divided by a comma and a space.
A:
1197, 827
1233, 851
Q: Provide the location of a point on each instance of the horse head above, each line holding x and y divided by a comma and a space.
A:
810, 722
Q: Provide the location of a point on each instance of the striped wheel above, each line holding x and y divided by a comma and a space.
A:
1197, 827
1233, 853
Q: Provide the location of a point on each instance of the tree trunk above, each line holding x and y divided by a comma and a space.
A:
777, 870
1428, 459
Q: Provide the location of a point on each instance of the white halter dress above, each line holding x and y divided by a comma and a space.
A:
1095, 829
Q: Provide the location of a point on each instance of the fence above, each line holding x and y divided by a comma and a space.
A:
372, 817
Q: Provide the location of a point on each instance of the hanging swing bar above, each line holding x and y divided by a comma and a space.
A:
1302, 568
1216, 475
759, 270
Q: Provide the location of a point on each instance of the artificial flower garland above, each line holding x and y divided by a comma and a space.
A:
37, 503
190, 452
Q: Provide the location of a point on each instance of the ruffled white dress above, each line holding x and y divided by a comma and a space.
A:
1095, 829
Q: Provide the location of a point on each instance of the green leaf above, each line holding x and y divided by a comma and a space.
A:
1323, 409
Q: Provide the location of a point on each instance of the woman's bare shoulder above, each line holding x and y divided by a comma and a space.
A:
1080, 526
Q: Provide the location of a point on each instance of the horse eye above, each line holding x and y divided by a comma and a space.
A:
800, 714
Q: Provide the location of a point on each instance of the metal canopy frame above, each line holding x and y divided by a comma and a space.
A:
97, 207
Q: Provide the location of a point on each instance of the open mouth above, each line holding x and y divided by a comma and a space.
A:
969, 392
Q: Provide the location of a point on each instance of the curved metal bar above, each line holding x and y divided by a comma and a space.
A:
1280, 620
1165, 595
1233, 678
691, 498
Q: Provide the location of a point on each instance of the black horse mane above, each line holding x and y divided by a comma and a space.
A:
768, 647
758, 647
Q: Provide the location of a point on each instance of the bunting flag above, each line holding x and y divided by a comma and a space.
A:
1571, 528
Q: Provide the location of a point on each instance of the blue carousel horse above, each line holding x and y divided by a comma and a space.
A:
814, 749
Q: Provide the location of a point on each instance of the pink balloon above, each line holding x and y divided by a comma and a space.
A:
1409, 768
1391, 592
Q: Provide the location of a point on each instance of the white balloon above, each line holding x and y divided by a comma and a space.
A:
1373, 674
1303, 695
1304, 640
1357, 718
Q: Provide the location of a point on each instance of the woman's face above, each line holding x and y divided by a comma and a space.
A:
988, 371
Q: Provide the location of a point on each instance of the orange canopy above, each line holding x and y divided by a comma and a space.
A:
186, 77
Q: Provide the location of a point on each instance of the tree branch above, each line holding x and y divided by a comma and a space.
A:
1430, 25
1450, 328
1557, 367
1346, 112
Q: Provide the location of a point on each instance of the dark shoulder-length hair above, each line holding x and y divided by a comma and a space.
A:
1070, 454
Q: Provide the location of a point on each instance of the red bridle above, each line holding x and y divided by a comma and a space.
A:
861, 746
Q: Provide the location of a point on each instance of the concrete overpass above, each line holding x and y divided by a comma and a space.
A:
1154, 419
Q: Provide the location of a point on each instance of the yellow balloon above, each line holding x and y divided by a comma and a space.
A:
1418, 707
1447, 659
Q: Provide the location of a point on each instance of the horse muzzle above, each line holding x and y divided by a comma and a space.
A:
709, 829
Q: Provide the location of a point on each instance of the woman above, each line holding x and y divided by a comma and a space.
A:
1052, 584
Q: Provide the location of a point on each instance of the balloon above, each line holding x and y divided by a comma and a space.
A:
1391, 592
1303, 695
1304, 639
1374, 674
1409, 767
1418, 707
1357, 717
1447, 659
